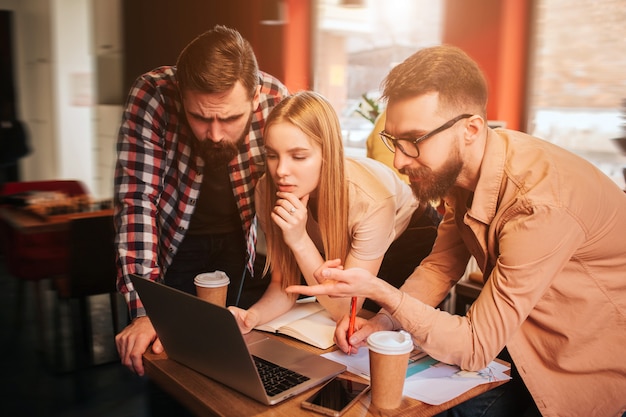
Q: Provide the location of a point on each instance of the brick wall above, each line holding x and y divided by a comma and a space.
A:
578, 79
580, 54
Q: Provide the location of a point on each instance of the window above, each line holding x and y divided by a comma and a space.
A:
357, 46
576, 84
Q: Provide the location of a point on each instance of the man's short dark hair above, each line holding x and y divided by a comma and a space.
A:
443, 69
215, 60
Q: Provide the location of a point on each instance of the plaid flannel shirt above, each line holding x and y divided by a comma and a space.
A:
157, 179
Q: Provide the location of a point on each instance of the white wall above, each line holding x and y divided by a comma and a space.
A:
73, 88
51, 59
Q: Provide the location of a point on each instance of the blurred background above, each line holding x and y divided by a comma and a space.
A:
556, 69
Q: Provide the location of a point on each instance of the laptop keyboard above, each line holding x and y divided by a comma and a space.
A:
277, 379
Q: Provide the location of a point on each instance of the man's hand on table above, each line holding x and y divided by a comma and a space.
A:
133, 341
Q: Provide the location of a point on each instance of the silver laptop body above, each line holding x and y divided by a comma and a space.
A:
206, 338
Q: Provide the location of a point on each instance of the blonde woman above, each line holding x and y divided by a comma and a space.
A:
313, 204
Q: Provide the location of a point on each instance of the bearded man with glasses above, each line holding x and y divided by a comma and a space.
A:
546, 229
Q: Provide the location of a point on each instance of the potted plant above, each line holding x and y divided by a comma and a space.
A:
369, 108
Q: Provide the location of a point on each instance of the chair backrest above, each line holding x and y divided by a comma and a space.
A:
37, 256
70, 187
91, 256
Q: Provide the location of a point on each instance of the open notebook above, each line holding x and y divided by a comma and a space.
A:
206, 338
307, 321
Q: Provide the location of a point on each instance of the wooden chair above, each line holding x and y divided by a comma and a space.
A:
91, 271
36, 257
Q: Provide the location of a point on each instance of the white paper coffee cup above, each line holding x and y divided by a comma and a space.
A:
389, 353
212, 287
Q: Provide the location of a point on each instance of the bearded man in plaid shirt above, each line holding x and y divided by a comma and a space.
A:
190, 151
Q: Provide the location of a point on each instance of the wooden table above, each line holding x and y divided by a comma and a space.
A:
26, 222
206, 397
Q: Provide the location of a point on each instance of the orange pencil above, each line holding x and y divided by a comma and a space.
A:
352, 320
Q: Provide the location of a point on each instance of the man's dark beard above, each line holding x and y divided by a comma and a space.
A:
433, 186
220, 154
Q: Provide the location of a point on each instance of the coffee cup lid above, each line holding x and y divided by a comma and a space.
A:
212, 279
390, 342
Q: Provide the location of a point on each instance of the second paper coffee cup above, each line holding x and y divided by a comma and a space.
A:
212, 287
389, 357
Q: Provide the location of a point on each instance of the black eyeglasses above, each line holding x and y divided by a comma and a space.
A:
409, 146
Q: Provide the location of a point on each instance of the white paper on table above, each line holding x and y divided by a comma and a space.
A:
435, 385
357, 363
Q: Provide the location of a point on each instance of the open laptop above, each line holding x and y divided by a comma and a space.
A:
206, 338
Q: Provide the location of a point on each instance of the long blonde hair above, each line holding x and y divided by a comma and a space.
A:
315, 117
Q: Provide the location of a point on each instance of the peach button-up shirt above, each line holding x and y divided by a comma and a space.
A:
548, 231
